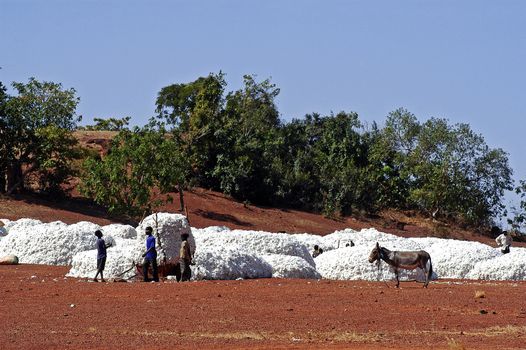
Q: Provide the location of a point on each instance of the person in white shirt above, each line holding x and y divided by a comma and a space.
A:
504, 241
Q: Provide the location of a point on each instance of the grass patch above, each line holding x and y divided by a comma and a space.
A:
480, 294
453, 344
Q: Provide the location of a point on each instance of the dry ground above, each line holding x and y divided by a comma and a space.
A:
42, 310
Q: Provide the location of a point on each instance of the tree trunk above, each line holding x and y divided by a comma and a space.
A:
181, 197
3, 181
15, 178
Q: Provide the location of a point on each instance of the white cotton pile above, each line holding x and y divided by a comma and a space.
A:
53, 243
511, 266
21, 224
230, 254
119, 261
287, 266
455, 259
310, 240
351, 263
253, 242
119, 231
228, 264
167, 229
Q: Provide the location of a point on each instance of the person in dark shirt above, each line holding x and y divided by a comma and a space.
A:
150, 256
101, 256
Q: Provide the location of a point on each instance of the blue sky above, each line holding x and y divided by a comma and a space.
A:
461, 60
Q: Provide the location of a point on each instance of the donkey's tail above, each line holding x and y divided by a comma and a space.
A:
430, 272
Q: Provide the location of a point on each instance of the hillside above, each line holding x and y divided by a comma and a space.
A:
208, 208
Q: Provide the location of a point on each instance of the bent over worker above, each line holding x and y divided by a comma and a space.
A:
504, 241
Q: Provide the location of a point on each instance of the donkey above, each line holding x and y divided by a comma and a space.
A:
403, 260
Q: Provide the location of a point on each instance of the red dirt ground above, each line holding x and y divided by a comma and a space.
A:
41, 309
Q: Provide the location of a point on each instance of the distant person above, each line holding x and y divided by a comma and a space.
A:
185, 258
317, 251
351, 244
150, 257
3, 231
101, 256
504, 241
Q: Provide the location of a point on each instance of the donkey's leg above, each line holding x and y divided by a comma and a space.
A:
397, 279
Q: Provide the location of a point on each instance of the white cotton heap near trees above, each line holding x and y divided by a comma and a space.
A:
253, 242
167, 230
222, 253
53, 243
119, 231
119, 263
289, 266
228, 264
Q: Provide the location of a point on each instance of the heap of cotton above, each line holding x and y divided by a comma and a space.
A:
255, 243
119, 231
310, 240
227, 264
351, 263
20, 223
455, 259
348, 264
119, 262
286, 266
53, 243
168, 229
209, 230
503, 267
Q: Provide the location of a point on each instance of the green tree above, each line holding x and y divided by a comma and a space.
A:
193, 111
5, 145
142, 167
38, 125
518, 220
109, 124
248, 142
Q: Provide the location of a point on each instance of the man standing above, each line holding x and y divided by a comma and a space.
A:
150, 256
185, 258
101, 256
504, 241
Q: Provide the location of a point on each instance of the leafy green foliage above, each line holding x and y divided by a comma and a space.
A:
446, 170
518, 219
109, 124
142, 166
36, 126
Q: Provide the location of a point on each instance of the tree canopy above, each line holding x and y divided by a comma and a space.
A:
37, 126
236, 143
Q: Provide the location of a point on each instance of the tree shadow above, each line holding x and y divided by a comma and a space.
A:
78, 205
221, 217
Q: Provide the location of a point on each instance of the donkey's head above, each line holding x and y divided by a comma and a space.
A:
375, 253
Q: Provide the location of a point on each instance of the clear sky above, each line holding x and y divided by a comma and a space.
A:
461, 60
